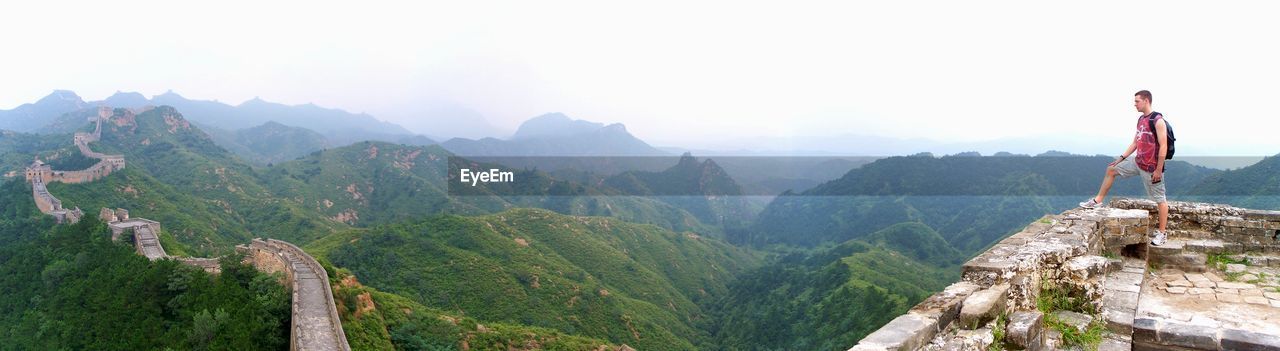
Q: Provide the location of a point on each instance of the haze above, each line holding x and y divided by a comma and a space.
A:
723, 75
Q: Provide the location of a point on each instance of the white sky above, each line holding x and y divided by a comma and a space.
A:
690, 74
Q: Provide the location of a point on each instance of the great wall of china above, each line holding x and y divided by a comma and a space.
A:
314, 324
1215, 285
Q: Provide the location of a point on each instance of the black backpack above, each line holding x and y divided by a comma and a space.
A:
1168, 128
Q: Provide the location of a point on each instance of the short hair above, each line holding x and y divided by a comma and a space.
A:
1144, 94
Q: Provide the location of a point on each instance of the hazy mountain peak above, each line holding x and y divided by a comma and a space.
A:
554, 124
60, 96
687, 160
126, 99
169, 94
614, 128
254, 101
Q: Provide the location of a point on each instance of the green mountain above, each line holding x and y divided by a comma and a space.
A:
67, 123
377, 320
591, 276
268, 143
1255, 186
30, 117
208, 199
70, 287
971, 201
828, 299
372, 183
17, 150
702, 188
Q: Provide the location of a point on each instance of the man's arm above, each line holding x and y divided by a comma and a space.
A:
1132, 146
1163, 138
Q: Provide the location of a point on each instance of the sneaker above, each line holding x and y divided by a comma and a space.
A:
1159, 238
1092, 203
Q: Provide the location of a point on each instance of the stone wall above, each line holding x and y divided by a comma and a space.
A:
39, 174
105, 166
315, 323
1098, 255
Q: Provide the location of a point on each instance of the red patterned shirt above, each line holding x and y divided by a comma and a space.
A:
1148, 144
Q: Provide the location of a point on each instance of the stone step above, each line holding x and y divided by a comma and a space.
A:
1115, 343
1186, 262
1176, 254
1258, 260
1205, 246
1120, 296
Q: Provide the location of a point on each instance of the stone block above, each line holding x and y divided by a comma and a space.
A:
1024, 330
1086, 267
945, 305
1233, 339
1110, 344
983, 306
907, 332
1188, 336
1146, 330
1206, 246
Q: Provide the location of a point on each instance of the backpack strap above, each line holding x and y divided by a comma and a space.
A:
1151, 126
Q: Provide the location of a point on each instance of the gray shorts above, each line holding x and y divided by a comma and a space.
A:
1129, 168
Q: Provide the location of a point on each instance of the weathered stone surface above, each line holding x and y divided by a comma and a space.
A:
945, 305
1112, 344
1234, 339
907, 332
1024, 330
1146, 330
983, 306
965, 340
1077, 320
1187, 261
1086, 267
1235, 285
1206, 246
1189, 336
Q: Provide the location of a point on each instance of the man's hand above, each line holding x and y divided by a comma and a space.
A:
1157, 176
1117, 161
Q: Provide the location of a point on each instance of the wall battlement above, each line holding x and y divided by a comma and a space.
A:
1169, 297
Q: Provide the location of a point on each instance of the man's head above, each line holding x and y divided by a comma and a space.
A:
1142, 101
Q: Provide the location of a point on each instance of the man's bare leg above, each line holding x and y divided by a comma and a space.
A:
1164, 214
1107, 180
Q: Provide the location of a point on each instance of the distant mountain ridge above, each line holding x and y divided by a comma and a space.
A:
954, 195
270, 142
338, 125
555, 134
28, 117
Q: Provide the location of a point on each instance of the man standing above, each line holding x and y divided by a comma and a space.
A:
1152, 146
